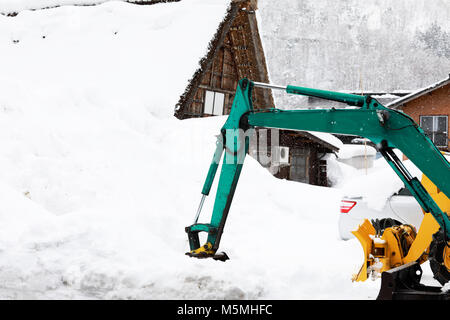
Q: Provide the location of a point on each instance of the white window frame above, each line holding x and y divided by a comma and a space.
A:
431, 134
214, 103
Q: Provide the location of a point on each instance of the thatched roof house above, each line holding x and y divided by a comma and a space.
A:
234, 53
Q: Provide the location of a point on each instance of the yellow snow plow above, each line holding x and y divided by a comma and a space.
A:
397, 245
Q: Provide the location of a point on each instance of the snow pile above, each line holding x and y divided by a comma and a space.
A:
376, 184
327, 137
99, 180
338, 172
356, 150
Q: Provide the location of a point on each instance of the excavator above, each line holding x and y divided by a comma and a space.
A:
394, 252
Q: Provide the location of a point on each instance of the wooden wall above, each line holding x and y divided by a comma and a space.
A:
241, 55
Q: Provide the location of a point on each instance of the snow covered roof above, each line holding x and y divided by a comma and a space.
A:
235, 52
149, 52
12, 7
327, 139
396, 103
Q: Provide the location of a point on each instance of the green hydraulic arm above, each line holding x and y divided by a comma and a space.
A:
385, 127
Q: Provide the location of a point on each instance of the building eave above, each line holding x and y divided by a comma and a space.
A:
413, 95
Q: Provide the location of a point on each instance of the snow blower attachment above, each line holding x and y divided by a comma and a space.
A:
393, 245
385, 249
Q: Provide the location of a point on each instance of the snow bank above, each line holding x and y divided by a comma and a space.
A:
355, 150
327, 137
15, 6
377, 185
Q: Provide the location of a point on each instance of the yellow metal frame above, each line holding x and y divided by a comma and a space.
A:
384, 253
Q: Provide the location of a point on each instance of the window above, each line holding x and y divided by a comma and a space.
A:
214, 103
436, 128
299, 170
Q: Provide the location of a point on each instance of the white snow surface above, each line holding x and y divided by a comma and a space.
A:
327, 137
10, 6
376, 184
354, 150
98, 179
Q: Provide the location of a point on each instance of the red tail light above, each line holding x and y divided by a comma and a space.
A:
346, 206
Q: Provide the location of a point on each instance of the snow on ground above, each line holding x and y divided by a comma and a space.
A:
10, 6
98, 179
327, 137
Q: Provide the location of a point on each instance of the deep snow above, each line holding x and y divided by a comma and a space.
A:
15, 6
99, 180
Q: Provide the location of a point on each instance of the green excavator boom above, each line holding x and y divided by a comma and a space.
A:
386, 128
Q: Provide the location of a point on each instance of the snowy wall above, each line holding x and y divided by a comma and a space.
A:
11, 7
15, 6
381, 45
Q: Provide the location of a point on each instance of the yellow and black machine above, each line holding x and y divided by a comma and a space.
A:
397, 245
395, 252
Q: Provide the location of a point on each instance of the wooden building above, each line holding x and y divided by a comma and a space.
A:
306, 157
430, 108
234, 53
